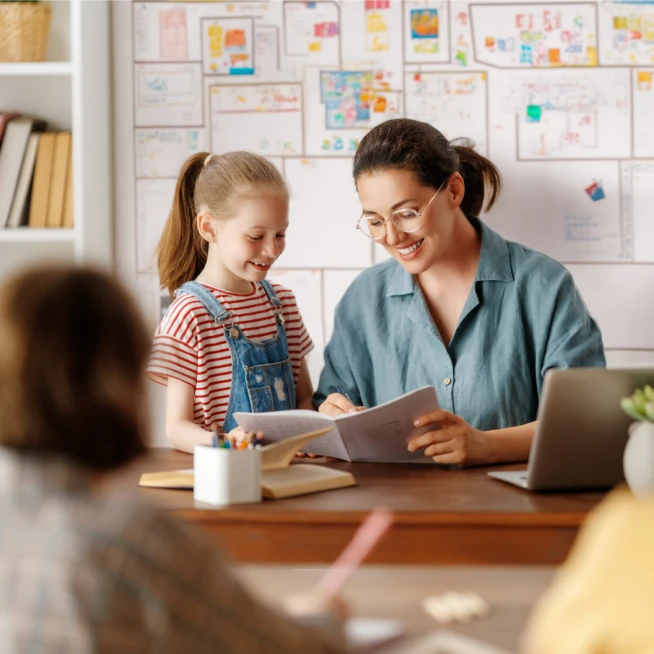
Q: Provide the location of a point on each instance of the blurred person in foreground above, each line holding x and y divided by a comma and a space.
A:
602, 598
82, 571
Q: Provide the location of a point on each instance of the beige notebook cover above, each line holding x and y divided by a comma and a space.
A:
58, 180
278, 478
68, 196
42, 178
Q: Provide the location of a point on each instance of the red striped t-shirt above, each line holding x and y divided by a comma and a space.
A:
189, 346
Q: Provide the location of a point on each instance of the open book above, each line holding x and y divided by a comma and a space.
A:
278, 478
379, 434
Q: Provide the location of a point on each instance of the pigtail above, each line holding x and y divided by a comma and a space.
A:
482, 179
182, 252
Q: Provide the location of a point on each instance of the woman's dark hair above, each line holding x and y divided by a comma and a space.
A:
405, 144
73, 351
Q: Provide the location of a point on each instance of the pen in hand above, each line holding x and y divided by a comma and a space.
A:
341, 390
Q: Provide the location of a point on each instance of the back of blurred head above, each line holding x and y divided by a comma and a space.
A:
73, 351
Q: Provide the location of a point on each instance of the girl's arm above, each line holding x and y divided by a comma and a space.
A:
181, 431
304, 388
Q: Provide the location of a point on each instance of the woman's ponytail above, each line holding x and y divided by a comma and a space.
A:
482, 179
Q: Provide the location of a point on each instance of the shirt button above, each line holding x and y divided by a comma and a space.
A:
447, 381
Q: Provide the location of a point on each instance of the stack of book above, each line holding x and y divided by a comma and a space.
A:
36, 179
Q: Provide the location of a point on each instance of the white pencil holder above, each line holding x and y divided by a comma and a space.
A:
222, 476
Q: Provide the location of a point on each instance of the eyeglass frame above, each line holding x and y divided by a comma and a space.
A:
385, 220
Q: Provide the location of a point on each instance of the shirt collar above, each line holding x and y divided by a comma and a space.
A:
494, 263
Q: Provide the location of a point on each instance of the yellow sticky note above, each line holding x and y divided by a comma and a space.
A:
316, 46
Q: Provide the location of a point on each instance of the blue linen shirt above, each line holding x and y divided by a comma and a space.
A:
523, 316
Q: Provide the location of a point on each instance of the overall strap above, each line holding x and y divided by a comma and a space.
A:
208, 300
274, 300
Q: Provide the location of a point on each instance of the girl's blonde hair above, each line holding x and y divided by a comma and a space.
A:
212, 183
73, 352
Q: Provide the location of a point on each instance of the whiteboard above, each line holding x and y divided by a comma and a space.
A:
573, 140
614, 292
161, 152
168, 95
454, 103
261, 118
643, 94
539, 35
154, 198
573, 115
341, 107
626, 31
426, 32
312, 30
322, 232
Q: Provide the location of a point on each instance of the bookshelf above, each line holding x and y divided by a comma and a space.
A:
71, 91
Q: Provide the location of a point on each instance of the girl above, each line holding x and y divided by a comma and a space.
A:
458, 307
230, 341
84, 571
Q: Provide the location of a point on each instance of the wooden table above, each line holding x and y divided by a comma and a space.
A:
441, 516
397, 592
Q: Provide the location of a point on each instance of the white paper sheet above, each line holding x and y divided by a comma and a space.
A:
161, 152
168, 94
378, 434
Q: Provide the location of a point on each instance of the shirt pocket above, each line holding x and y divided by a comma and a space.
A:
270, 386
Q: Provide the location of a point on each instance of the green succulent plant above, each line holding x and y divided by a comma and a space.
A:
640, 406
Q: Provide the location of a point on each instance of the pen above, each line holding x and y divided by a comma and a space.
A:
365, 538
341, 390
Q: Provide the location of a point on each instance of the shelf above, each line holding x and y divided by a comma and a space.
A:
28, 235
37, 68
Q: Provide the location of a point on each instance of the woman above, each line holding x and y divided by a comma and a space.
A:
81, 571
458, 307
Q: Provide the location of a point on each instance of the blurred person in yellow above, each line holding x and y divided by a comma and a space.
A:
602, 598
81, 570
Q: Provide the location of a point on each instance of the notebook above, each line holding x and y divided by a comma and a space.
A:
12, 153
42, 180
278, 478
18, 215
380, 434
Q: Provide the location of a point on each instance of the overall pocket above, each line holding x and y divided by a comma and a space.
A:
270, 387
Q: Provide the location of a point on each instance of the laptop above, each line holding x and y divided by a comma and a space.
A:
581, 432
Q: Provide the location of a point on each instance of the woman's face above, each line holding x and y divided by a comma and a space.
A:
382, 193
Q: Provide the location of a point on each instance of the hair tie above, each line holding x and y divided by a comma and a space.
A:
208, 159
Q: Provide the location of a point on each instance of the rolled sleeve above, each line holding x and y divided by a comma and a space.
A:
575, 340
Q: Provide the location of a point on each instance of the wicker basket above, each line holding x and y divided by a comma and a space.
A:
24, 28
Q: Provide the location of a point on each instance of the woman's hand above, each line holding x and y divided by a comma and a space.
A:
452, 440
337, 404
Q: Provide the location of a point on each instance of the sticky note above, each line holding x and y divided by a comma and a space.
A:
554, 55
595, 192
533, 113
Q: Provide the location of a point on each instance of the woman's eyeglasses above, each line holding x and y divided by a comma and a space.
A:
406, 220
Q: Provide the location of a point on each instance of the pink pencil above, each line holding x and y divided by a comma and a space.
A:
365, 538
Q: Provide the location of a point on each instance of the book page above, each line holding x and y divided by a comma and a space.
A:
280, 454
381, 434
280, 425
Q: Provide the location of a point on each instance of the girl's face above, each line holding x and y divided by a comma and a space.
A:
251, 241
383, 192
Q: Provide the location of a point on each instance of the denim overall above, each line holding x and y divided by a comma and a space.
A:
262, 377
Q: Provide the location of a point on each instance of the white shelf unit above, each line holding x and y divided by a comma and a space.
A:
71, 91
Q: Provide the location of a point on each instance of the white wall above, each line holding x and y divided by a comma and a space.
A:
553, 131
